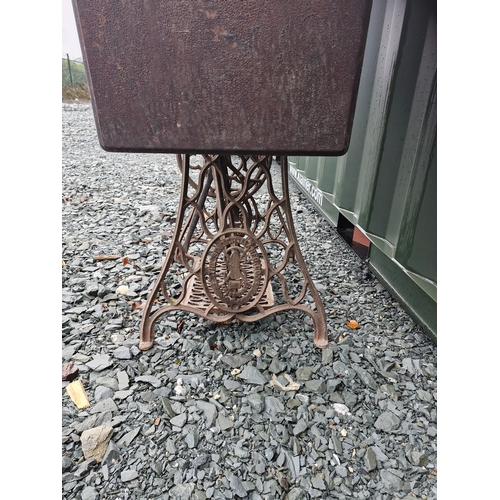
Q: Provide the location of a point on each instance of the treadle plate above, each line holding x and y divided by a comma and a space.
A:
196, 297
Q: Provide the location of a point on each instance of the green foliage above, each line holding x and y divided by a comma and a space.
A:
74, 84
77, 75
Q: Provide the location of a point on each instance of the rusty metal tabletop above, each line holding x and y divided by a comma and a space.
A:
218, 76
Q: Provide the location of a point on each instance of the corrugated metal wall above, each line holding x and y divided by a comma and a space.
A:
386, 184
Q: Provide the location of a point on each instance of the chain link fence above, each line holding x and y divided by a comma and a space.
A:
73, 72
74, 79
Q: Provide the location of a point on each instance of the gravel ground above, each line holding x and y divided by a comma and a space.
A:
196, 417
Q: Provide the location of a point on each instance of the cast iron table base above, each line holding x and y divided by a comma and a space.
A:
234, 252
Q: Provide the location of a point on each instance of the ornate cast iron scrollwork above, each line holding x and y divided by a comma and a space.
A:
234, 271
234, 243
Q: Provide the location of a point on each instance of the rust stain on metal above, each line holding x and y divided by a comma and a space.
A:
210, 14
218, 31
280, 77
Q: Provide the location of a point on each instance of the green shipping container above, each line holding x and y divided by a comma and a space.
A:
385, 185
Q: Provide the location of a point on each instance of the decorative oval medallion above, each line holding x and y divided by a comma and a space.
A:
234, 272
